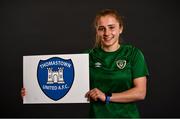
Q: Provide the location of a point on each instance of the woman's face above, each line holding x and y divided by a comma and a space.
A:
108, 31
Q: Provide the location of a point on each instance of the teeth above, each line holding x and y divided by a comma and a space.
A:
107, 39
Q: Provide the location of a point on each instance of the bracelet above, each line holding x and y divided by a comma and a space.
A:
107, 99
108, 96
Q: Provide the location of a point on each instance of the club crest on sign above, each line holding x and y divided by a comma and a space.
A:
121, 64
55, 77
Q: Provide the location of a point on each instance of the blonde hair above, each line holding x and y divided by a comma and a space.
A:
106, 12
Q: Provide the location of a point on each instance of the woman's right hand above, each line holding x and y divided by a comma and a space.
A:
23, 92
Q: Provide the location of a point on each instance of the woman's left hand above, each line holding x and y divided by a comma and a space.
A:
96, 94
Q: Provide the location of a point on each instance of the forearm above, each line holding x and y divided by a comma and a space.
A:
138, 92
131, 95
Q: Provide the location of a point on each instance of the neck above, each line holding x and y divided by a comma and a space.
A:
111, 48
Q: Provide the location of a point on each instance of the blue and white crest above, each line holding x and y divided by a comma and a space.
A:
55, 76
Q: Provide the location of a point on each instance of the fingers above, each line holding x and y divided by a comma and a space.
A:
23, 92
87, 96
95, 94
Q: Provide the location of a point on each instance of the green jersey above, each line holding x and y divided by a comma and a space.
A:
113, 72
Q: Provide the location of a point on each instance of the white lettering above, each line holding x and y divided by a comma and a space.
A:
46, 87
60, 63
60, 87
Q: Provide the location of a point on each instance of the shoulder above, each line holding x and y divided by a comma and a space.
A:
131, 52
89, 51
92, 50
134, 57
130, 49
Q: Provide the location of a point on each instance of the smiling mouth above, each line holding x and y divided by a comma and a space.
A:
108, 38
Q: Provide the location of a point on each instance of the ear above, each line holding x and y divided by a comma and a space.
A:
120, 29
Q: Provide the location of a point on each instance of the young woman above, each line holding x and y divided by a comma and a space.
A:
118, 72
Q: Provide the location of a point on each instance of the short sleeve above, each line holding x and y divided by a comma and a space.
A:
139, 66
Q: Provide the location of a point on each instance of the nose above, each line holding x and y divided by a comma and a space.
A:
106, 32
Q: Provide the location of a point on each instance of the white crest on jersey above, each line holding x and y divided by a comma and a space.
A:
121, 64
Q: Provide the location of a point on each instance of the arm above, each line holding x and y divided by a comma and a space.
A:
138, 92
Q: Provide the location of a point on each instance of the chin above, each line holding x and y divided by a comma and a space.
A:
108, 43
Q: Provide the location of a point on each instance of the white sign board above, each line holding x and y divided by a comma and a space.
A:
60, 78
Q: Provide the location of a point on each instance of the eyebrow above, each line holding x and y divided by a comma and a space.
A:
111, 25
108, 25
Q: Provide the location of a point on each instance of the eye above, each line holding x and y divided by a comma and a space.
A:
111, 27
101, 28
